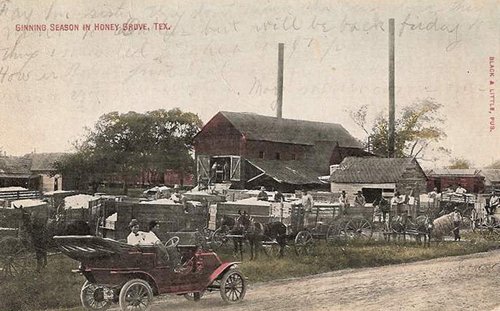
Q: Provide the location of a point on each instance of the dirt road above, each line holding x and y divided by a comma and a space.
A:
469, 282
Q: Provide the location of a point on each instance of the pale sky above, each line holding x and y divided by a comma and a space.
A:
223, 56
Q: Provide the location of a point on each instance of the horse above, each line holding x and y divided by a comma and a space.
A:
258, 232
424, 227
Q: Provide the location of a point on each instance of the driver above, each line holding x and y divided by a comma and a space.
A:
150, 236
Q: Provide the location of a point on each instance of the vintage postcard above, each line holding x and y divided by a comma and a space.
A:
268, 83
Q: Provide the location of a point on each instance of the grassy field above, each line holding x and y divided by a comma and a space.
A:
57, 287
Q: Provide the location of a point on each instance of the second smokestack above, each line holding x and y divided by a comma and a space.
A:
279, 104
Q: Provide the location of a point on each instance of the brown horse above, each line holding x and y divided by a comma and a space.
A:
270, 232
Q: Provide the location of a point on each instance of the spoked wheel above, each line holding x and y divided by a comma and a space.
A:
136, 294
359, 229
12, 266
93, 297
303, 243
219, 238
332, 234
14, 258
335, 232
233, 286
467, 223
272, 249
194, 296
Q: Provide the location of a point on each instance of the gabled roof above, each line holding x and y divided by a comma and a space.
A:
454, 172
491, 175
259, 127
44, 161
373, 170
25, 166
290, 172
15, 165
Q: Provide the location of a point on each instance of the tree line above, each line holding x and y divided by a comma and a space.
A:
128, 144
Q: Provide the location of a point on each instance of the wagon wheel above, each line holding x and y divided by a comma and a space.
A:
332, 234
93, 298
218, 238
194, 296
492, 226
136, 294
14, 261
272, 249
233, 286
13, 265
358, 229
303, 243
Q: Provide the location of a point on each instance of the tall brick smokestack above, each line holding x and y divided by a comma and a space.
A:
279, 103
392, 104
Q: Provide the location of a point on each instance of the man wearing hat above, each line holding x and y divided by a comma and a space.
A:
457, 220
135, 237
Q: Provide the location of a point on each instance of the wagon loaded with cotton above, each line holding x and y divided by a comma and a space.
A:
131, 276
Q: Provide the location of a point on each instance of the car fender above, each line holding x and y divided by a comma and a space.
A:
222, 269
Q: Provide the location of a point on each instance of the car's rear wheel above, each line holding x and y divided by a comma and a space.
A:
136, 294
93, 297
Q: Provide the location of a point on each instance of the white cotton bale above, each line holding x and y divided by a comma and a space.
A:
442, 226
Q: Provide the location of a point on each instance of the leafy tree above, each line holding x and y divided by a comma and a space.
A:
415, 129
460, 163
495, 165
130, 143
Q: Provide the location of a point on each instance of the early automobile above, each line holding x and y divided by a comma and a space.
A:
131, 276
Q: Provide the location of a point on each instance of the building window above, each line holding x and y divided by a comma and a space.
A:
278, 156
261, 154
294, 157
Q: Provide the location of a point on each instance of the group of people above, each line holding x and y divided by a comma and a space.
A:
263, 195
137, 237
344, 201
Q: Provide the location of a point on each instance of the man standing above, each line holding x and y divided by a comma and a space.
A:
460, 190
494, 203
359, 200
433, 196
307, 205
457, 219
344, 203
396, 203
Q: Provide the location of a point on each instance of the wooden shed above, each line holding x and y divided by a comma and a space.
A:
378, 176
